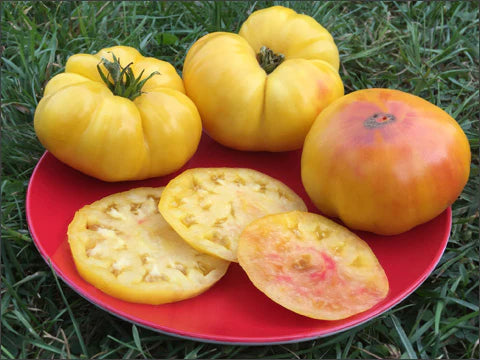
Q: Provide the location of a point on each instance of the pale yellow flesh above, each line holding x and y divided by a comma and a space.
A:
209, 207
311, 265
123, 246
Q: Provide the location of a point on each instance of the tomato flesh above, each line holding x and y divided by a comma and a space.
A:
311, 265
209, 207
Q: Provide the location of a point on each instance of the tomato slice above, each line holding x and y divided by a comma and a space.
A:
311, 265
123, 246
209, 207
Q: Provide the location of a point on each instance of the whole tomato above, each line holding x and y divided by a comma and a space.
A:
384, 161
117, 115
262, 89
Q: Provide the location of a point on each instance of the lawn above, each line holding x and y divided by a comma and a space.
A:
430, 49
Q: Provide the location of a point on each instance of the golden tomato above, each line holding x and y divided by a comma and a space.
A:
118, 131
263, 88
384, 161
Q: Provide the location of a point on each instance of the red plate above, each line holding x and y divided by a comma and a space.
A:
233, 311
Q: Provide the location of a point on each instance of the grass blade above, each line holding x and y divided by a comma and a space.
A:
72, 317
403, 337
137, 341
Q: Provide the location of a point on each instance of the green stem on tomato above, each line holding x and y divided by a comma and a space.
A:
269, 60
120, 80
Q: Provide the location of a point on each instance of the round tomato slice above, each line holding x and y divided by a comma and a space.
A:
123, 246
209, 207
311, 265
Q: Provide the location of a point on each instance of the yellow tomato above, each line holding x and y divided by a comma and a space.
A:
384, 161
123, 133
263, 88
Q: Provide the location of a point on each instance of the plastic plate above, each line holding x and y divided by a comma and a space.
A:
233, 311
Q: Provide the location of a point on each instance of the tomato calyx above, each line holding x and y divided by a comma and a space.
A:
379, 120
120, 80
269, 60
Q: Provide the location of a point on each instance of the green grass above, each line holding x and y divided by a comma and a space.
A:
428, 49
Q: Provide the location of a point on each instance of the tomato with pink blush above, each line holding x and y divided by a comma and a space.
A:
384, 161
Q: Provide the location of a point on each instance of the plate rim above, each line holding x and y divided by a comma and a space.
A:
224, 340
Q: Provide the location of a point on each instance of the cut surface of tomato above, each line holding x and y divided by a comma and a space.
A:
311, 265
209, 207
123, 246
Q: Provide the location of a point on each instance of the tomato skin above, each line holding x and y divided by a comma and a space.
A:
245, 108
83, 124
384, 178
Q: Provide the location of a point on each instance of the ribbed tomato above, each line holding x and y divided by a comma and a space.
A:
384, 161
118, 116
261, 89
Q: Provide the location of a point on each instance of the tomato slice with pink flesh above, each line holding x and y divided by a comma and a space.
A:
312, 265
